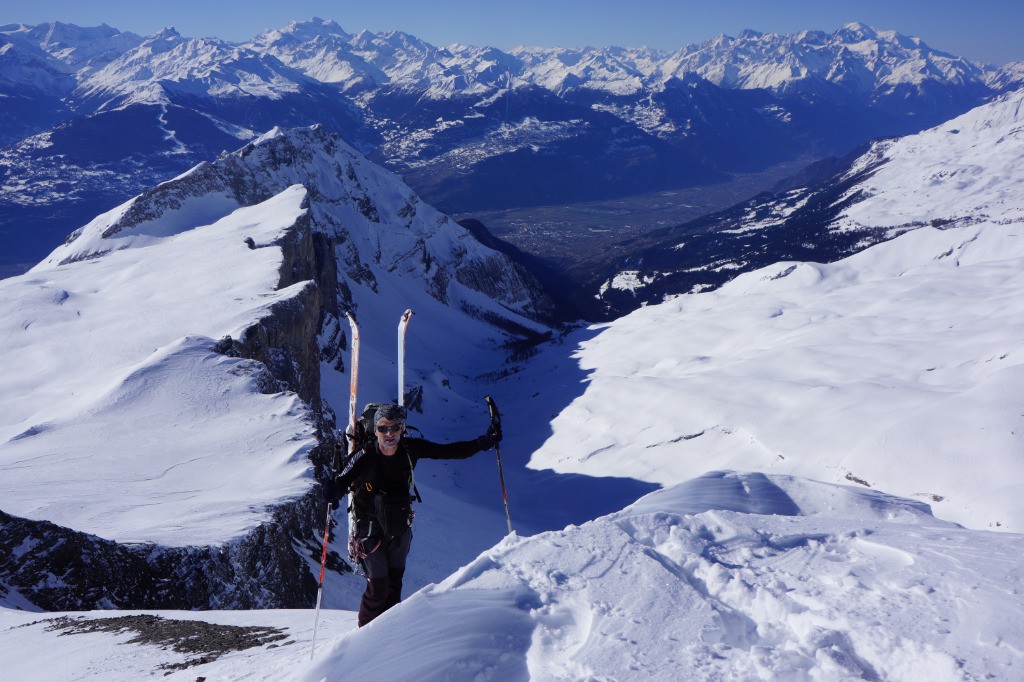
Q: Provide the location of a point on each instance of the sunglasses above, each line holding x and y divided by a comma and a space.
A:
394, 428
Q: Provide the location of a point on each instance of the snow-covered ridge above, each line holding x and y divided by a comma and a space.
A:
727, 576
113, 380
379, 223
127, 279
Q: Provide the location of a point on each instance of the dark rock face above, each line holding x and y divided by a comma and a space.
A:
58, 569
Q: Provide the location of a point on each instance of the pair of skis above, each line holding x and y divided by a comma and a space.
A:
403, 325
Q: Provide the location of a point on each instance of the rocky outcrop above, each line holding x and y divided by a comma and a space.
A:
58, 569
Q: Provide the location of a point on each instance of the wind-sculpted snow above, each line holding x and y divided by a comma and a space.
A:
729, 576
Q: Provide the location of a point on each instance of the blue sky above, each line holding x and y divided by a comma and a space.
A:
985, 30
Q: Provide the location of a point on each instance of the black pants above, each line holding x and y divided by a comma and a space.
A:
384, 571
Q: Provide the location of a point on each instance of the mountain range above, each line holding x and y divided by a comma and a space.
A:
96, 115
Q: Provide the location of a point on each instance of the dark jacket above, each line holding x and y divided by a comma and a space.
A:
381, 485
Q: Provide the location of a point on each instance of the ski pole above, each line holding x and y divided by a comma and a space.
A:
496, 420
320, 587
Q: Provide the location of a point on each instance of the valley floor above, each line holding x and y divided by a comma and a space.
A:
576, 236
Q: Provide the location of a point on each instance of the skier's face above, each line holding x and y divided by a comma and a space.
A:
388, 434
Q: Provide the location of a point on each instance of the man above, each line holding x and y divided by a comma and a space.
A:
380, 483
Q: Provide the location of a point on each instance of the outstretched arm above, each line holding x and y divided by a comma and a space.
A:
425, 449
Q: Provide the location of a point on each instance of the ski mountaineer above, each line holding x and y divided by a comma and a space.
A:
379, 481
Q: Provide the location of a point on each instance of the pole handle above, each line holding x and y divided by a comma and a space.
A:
492, 408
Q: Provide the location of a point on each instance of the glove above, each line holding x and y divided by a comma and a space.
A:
491, 438
331, 492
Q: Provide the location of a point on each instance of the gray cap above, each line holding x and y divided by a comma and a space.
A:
392, 413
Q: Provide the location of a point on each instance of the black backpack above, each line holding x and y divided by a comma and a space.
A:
365, 426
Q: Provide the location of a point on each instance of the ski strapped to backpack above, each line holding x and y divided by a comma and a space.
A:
353, 402
335, 469
361, 432
403, 325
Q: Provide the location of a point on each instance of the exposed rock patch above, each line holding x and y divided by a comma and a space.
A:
202, 642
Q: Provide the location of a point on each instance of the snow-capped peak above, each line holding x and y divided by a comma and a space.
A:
315, 29
198, 66
72, 49
886, 59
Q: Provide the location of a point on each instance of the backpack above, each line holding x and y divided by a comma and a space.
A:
365, 426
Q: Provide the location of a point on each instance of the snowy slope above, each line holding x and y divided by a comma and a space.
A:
898, 368
965, 171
